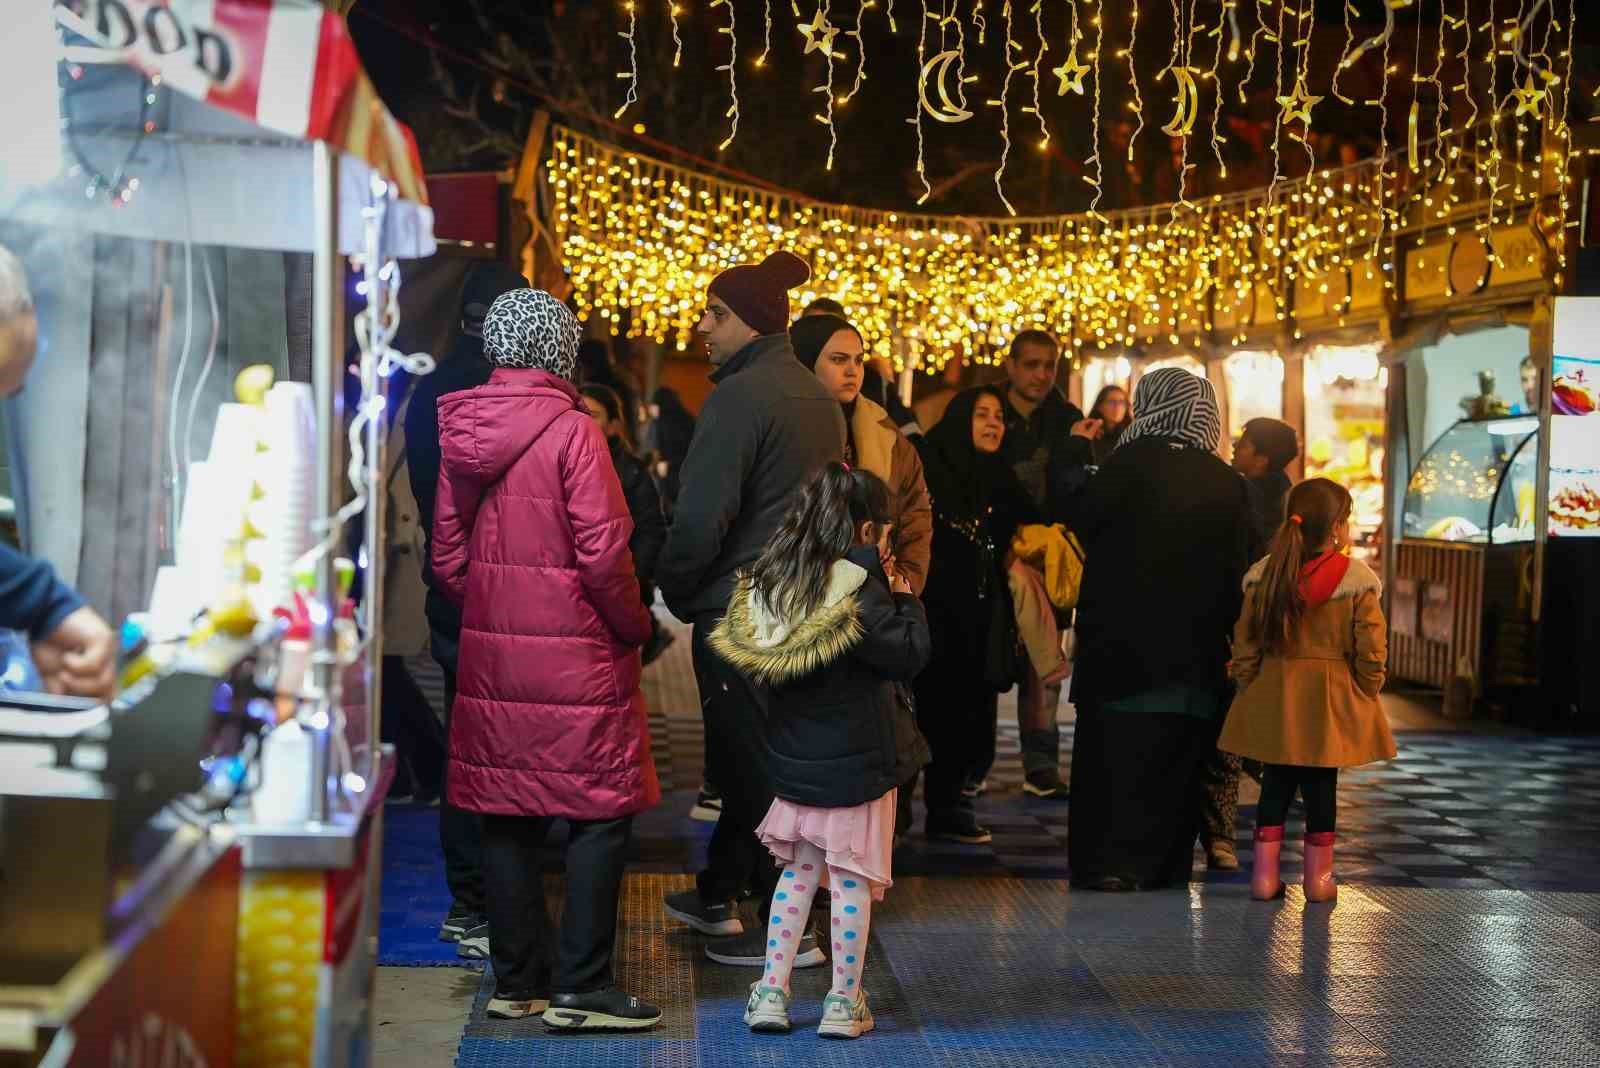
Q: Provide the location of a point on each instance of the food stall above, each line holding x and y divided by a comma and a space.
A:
1342, 432
190, 874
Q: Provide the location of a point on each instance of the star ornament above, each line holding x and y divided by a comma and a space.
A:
818, 33
1071, 72
1529, 97
1298, 104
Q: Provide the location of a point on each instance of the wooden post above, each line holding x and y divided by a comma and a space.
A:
522, 189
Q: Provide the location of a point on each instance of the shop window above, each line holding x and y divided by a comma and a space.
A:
1103, 371
1255, 389
1345, 398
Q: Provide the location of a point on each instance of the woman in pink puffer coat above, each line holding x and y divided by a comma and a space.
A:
530, 538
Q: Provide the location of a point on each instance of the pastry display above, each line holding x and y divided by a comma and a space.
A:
1576, 507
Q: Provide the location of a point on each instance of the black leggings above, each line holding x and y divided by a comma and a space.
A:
1318, 786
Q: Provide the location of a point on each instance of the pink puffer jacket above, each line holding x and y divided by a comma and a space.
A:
530, 537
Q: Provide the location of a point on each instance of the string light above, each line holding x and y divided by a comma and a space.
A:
1038, 62
732, 67
1004, 104
632, 73
1099, 182
861, 54
766, 33
1217, 140
826, 89
1277, 89
1133, 76
1254, 49
916, 110
673, 11
1344, 56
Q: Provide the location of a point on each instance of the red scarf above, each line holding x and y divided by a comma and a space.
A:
1321, 576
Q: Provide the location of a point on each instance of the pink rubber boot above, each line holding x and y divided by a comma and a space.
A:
1320, 884
1264, 882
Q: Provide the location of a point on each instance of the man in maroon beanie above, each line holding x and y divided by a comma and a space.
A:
766, 428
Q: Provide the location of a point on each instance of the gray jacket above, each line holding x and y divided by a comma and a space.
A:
766, 428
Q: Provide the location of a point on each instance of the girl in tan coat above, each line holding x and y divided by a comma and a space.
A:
1309, 654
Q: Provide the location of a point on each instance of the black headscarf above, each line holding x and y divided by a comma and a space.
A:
961, 479
810, 333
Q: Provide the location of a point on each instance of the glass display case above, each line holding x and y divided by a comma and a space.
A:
1476, 484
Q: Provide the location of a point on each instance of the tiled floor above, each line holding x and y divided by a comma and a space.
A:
1467, 933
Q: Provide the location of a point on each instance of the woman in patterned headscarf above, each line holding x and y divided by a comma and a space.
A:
1165, 527
530, 539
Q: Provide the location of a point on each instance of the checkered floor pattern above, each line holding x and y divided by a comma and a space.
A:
1467, 931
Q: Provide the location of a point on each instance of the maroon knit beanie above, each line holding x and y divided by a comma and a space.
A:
759, 293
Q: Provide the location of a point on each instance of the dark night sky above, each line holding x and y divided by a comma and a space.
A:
782, 143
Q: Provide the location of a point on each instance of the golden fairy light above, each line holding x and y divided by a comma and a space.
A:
673, 11
916, 115
1137, 103
766, 33
632, 73
1038, 64
732, 67
1012, 66
1099, 181
1217, 140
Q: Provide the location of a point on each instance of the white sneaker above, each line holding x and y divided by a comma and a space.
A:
767, 1011
843, 1019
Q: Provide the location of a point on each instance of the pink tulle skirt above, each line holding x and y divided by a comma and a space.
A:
859, 839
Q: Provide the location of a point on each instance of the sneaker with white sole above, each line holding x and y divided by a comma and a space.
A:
749, 950
720, 919
843, 1018
516, 1006
707, 806
458, 923
600, 1010
767, 1011
474, 945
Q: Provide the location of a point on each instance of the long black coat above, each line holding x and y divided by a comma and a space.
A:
960, 579
644, 506
767, 427
1166, 533
837, 731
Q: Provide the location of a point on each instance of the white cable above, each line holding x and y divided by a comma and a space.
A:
205, 368
179, 477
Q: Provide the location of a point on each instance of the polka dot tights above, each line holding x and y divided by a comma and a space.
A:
791, 908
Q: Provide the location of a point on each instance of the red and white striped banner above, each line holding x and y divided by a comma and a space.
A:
286, 65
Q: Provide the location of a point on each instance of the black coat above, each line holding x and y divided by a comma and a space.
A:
644, 506
963, 574
767, 427
838, 730
1041, 447
1166, 533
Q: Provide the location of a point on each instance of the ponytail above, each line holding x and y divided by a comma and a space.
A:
1314, 509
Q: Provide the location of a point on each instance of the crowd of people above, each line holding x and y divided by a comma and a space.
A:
860, 589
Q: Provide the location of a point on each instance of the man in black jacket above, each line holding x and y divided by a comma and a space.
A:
767, 426
460, 832
1046, 435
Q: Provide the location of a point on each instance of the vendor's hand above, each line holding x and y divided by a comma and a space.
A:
79, 657
888, 561
898, 584
1088, 428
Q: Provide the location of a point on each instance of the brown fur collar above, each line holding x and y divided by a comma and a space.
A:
824, 636
1358, 579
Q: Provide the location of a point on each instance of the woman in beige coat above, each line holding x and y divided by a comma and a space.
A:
1309, 657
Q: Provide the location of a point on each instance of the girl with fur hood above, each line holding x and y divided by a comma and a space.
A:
1309, 658
827, 632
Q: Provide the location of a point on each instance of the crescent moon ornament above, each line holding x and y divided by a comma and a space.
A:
1188, 101
948, 110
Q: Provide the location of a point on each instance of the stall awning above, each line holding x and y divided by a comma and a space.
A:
248, 87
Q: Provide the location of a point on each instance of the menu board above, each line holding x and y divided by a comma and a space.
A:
1575, 419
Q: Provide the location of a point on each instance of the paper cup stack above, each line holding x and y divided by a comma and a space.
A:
282, 494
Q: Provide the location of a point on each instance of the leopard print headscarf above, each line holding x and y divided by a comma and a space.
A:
530, 328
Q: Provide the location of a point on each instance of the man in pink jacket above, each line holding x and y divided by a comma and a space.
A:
530, 538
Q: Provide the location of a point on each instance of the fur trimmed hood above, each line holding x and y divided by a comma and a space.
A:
769, 650
1358, 579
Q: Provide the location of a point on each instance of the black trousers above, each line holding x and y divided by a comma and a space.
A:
520, 938
460, 832
409, 723
1318, 786
735, 715
1136, 795
958, 714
